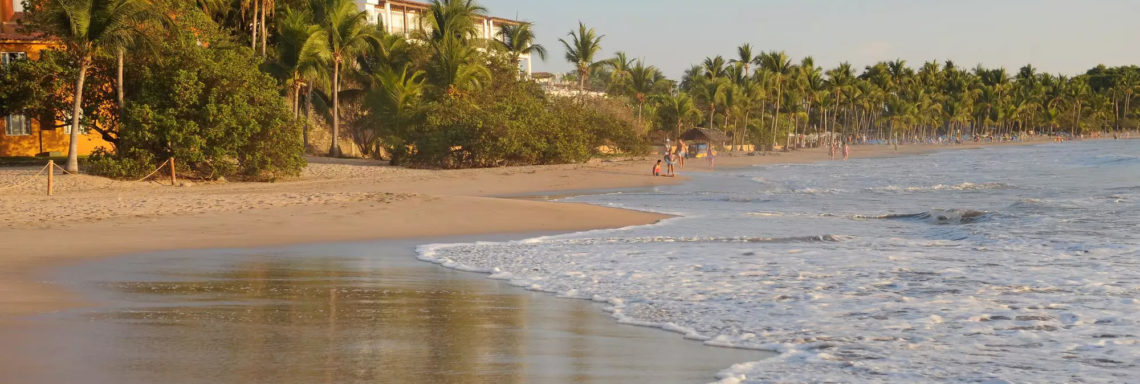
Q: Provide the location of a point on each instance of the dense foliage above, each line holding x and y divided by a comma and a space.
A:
233, 88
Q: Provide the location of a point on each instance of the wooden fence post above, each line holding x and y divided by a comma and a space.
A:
173, 177
51, 177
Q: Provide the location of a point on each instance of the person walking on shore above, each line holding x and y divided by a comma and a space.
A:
846, 151
712, 157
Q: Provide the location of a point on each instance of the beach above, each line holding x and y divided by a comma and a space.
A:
335, 200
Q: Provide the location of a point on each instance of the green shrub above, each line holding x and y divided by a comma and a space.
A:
104, 163
519, 126
207, 107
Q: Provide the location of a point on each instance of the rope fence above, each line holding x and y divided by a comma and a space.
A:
51, 166
31, 178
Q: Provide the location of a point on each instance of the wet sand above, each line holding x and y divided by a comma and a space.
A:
335, 313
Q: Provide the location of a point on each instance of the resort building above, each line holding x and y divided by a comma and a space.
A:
22, 135
406, 17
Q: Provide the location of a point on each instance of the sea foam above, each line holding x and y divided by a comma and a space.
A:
1037, 283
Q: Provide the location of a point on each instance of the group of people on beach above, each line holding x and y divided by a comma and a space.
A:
836, 148
675, 155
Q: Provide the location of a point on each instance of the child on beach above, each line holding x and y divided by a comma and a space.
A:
657, 168
846, 151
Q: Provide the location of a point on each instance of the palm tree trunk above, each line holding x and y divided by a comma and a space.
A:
776, 116
334, 150
119, 80
639, 105
712, 114
308, 109
582, 73
264, 32
253, 35
1077, 118
76, 112
739, 138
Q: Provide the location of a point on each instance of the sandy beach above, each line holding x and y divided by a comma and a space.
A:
335, 200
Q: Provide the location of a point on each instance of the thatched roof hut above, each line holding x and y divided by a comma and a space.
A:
705, 135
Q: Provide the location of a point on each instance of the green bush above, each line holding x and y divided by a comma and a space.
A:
207, 107
104, 163
519, 126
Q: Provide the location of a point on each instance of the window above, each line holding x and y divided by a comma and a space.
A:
9, 57
67, 123
17, 125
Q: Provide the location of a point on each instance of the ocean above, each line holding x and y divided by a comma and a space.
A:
1001, 264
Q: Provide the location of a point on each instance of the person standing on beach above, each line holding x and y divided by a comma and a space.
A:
846, 151
669, 163
681, 151
712, 158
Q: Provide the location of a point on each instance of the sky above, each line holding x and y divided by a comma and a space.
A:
1065, 37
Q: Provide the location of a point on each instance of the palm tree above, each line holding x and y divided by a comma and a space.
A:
780, 65
643, 81
453, 19
580, 51
745, 57
395, 95
455, 64
87, 28
839, 79
295, 29
518, 40
714, 67
681, 105
712, 92
345, 33
620, 67
1077, 90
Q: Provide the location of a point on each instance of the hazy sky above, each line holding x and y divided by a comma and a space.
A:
1065, 37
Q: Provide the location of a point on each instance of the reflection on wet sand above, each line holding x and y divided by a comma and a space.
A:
367, 313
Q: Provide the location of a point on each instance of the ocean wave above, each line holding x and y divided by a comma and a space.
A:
967, 186
934, 216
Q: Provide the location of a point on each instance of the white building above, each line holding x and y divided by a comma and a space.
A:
402, 16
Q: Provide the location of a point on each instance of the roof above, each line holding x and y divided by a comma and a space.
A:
704, 134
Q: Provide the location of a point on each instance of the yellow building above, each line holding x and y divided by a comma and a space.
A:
21, 135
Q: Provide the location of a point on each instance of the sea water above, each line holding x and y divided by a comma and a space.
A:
1013, 264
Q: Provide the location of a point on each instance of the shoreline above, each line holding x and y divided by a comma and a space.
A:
367, 204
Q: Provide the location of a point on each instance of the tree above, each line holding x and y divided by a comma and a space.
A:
208, 107
580, 51
780, 65
345, 33
456, 62
680, 105
294, 64
518, 40
711, 92
839, 79
394, 102
745, 58
643, 80
619, 67
88, 28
